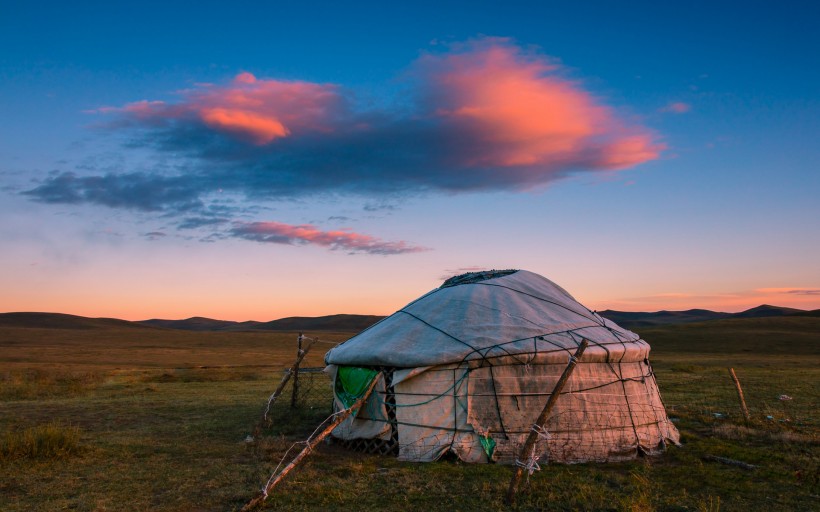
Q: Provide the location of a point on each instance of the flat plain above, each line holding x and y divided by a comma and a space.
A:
144, 418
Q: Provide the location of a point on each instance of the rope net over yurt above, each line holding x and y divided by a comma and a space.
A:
468, 367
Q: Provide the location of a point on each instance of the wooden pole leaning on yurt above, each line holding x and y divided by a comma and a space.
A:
538, 426
311, 444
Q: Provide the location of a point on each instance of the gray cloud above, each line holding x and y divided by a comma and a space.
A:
154, 235
803, 291
134, 191
198, 222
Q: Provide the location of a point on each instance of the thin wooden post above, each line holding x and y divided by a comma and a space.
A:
528, 450
740, 395
301, 355
311, 444
295, 394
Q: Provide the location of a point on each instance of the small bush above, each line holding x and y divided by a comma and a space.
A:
48, 441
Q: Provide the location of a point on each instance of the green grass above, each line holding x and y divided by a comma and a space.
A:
739, 338
164, 433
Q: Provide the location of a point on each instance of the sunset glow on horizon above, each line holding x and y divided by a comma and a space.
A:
280, 167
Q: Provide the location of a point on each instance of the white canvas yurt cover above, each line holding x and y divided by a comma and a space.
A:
468, 367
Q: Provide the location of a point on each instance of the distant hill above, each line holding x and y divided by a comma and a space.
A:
321, 323
630, 319
199, 323
814, 312
62, 321
766, 311
341, 323
356, 323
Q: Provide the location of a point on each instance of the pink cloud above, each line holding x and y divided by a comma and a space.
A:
256, 111
484, 115
279, 233
517, 110
677, 107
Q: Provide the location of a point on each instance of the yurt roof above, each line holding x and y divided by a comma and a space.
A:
485, 315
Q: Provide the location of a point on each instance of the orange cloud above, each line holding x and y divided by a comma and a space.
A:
280, 233
253, 110
259, 129
518, 111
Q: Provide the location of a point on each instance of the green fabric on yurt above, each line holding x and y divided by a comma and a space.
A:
488, 443
352, 382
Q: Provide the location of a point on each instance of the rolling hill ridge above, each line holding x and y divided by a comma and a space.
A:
355, 323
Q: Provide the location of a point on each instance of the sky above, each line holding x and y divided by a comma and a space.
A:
258, 160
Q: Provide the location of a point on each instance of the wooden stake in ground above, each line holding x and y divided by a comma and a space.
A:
294, 396
740, 394
299, 356
528, 450
338, 418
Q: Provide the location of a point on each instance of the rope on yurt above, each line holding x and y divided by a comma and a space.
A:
497, 406
317, 340
531, 464
455, 408
498, 350
428, 324
654, 409
650, 374
626, 396
541, 299
541, 337
474, 350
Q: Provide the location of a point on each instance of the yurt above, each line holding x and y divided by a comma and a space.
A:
467, 368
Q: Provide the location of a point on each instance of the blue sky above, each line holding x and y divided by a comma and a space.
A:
714, 205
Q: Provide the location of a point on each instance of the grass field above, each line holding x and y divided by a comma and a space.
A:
127, 418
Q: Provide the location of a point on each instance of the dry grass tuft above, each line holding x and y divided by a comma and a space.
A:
48, 441
32, 384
